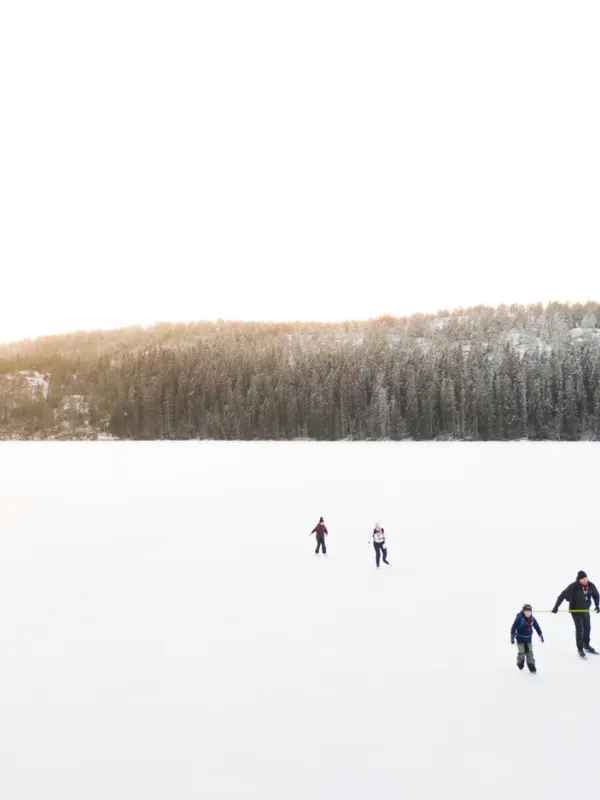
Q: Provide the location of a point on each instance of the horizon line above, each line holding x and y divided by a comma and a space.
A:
274, 322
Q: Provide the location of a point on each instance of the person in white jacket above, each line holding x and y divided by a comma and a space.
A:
379, 545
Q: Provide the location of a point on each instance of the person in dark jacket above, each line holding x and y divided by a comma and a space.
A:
580, 595
321, 531
522, 631
379, 545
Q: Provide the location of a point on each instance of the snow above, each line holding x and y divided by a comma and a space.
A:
75, 403
167, 630
579, 334
36, 381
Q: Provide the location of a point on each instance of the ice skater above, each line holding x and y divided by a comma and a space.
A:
579, 595
379, 545
522, 632
321, 531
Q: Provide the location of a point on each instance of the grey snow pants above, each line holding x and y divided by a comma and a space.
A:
525, 651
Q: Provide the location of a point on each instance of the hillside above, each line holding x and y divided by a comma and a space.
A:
481, 373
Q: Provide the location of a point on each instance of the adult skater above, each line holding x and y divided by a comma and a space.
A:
321, 531
522, 630
379, 545
579, 595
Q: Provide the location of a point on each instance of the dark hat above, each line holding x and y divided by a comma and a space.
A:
527, 607
581, 574
321, 519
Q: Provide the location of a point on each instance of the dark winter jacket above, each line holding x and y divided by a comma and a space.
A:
579, 597
522, 628
319, 529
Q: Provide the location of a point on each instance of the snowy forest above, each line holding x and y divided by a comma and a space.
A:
513, 372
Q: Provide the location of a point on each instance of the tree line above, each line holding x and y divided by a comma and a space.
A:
484, 374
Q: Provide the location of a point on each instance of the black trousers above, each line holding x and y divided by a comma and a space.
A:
583, 627
380, 549
321, 543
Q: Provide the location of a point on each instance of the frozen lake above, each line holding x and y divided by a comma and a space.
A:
168, 632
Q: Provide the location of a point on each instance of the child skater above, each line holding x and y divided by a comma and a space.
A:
522, 631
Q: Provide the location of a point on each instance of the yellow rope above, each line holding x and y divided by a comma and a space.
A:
566, 611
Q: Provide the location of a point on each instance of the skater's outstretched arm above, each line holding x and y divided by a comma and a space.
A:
595, 595
566, 595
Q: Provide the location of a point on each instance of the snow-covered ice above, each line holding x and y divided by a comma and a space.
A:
168, 632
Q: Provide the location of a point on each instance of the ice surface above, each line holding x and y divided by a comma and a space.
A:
168, 632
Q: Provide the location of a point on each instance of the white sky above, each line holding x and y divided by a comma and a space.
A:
281, 160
